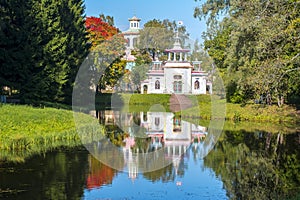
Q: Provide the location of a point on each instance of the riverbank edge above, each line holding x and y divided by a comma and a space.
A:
26, 130
250, 112
18, 143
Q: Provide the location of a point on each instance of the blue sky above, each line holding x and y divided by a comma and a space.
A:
121, 10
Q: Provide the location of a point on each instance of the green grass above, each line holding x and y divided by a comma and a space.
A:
132, 102
237, 112
249, 126
25, 130
234, 112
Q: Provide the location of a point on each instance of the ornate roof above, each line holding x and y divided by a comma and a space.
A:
177, 46
134, 18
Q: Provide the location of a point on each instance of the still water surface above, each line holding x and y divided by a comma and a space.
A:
240, 164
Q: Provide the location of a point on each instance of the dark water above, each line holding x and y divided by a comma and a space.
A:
239, 165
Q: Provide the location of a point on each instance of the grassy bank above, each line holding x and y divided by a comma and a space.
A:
249, 112
131, 102
234, 112
249, 126
25, 130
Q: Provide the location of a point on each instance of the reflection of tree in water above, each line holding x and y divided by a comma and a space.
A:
257, 165
142, 145
106, 152
166, 174
99, 174
115, 134
47, 176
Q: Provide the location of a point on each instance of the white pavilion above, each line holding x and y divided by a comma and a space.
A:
176, 75
131, 35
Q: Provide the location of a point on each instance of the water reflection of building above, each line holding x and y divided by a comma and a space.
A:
170, 128
164, 131
131, 161
110, 117
171, 132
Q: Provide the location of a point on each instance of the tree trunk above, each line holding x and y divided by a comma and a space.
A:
280, 100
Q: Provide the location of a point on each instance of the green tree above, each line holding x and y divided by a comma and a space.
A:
156, 36
114, 72
44, 44
76, 47
19, 49
256, 165
108, 19
107, 59
142, 63
108, 47
256, 45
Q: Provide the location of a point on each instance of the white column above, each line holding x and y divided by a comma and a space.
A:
131, 42
173, 150
180, 150
169, 56
185, 56
174, 56
180, 56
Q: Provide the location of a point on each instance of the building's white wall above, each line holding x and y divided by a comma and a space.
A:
184, 134
186, 79
198, 128
188, 82
166, 125
151, 86
165, 121
131, 38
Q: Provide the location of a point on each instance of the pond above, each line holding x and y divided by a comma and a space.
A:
157, 155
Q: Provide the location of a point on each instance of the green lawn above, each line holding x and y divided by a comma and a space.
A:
27, 130
234, 112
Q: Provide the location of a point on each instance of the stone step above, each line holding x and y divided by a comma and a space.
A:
179, 102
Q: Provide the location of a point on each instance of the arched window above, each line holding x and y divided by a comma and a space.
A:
196, 85
145, 117
128, 42
134, 41
157, 85
156, 121
177, 86
177, 125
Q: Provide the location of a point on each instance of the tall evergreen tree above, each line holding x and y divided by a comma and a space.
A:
18, 44
77, 46
43, 44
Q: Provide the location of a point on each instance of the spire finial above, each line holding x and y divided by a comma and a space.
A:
134, 12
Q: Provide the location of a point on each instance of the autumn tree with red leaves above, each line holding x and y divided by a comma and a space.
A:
98, 30
107, 48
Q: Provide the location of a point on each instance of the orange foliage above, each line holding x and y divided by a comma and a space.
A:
99, 30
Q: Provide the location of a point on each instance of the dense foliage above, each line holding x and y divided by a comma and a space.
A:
157, 35
255, 44
43, 44
99, 30
107, 49
257, 165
